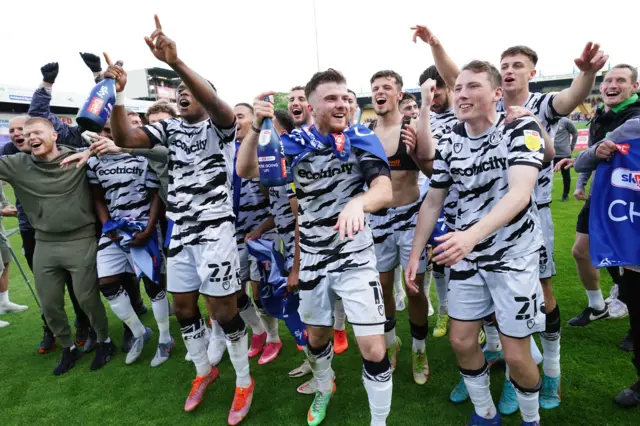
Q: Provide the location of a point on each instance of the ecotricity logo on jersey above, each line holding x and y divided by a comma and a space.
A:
191, 148
485, 166
625, 178
345, 168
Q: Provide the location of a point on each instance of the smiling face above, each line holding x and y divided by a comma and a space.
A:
410, 108
385, 95
330, 107
516, 71
16, 133
189, 108
475, 97
298, 107
353, 107
617, 86
244, 117
40, 137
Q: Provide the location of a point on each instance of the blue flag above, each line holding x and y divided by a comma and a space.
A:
303, 141
614, 220
148, 259
275, 298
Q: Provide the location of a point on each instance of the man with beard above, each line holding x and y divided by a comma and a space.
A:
337, 258
58, 204
84, 337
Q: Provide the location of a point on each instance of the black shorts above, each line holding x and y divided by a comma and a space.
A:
583, 218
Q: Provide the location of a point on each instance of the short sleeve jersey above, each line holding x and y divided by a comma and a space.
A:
541, 104
478, 168
280, 209
324, 185
200, 168
126, 181
441, 124
252, 210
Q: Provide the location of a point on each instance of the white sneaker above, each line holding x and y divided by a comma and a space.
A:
10, 307
310, 387
612, 295
137, 344
617, 310
303, 370
3, 324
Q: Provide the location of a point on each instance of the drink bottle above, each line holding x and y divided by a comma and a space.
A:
272, 164
97, 108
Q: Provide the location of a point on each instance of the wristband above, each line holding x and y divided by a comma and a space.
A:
120, 98
255, 129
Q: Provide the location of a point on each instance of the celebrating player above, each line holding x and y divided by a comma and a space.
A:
203, 257
494, 251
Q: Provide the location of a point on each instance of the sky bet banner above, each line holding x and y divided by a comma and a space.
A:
614, 221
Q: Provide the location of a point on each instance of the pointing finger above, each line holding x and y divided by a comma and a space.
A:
158, 26
106, 58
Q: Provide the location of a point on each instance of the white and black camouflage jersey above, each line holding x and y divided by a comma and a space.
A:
541, 104
253, 208
324, 185
441, 124
478, 168
126, 180
280, 209
200, 169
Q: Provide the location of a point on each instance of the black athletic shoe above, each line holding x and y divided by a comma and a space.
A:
69, 358
141, 309
91, 342
104, 352
565, 198
588, 316
126, 339
48, 342
627, 342
630, 397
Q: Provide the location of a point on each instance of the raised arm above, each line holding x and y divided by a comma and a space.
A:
164, 49
444, 64
41, 100
247, 161
589, 63
124, 134
426, 147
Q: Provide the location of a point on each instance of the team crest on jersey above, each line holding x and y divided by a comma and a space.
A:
457, 147
339, 139
623, 148
494, 139
532, 140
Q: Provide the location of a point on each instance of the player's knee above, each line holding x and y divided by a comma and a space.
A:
317, 340
580, 251
109, 288
373, 352
226, 308
517, 356
154, 291
462, 343
185, 309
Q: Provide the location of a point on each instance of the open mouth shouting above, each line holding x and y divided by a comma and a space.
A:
612, 93
381, 100
297, 114
184, 103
